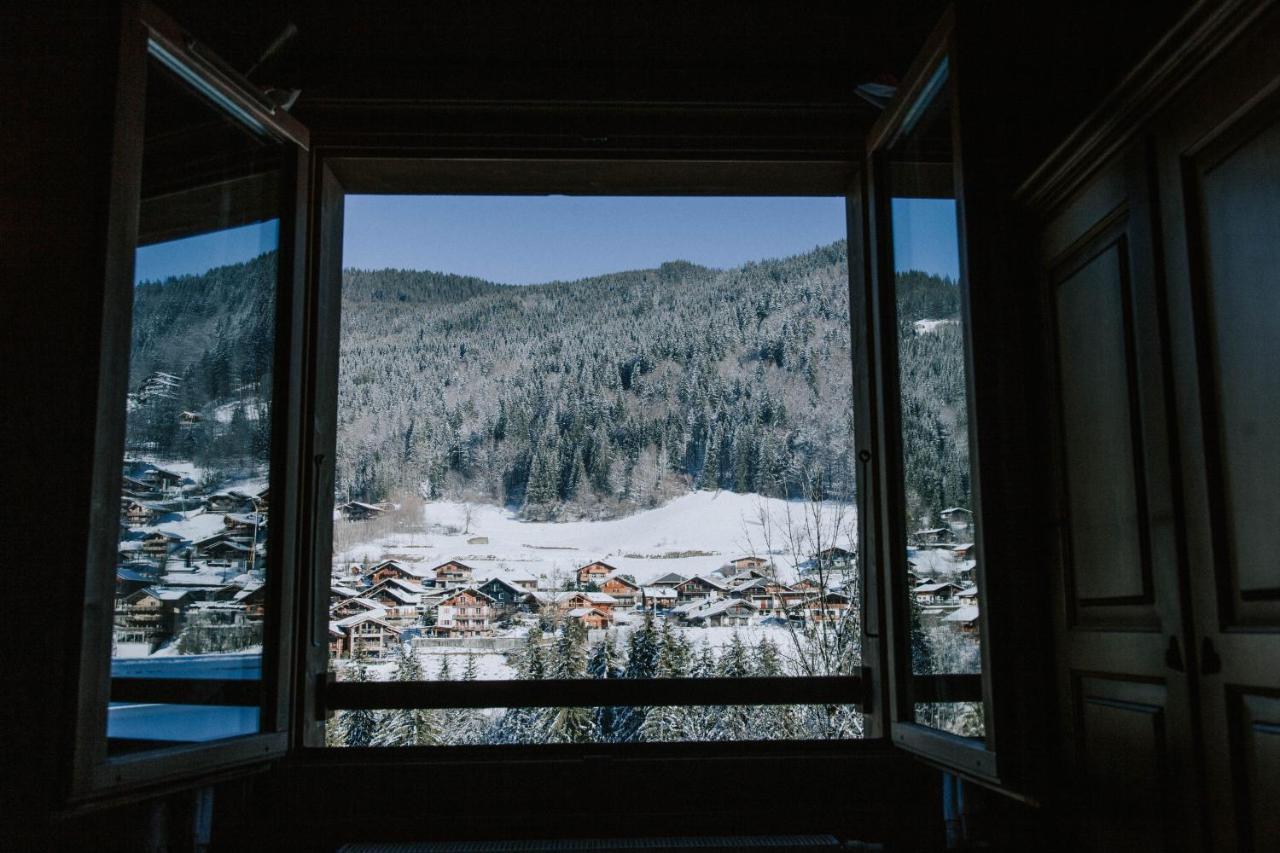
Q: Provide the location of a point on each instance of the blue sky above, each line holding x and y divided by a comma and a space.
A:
925, 236
204, 251
529, 239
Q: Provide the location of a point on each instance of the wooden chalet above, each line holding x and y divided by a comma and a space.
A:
253, 600
658, 597
159, 544
624, 590
229, 551
353, 606
935, 592
507, 597
595, 573
149, 615
725, 613
959, 520
590, 617
829, 606
364, 634
389, 569
465, 613
743, 563
698, 587
599, 600
400, 604
359, 511
244, 524
136, 513
453, 573
228, 502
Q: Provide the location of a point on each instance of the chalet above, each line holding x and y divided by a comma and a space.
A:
963, 619
466, 613
743, 563
338, 592
244, 524
228, 502
159, 544
658, 597
526, 582
590, 617
834, 557
806, 585
358, 511
623, 588
931, 537
134, 488
963, 551
136, 513
968, 595
728, 612
453, 573
353, 606
337, 641
401, 605
827, 607
599, 600
594, 573
149, 615
698, 587
161, 479
129, 581
253, 599
228, 551
388, 569
262, 499
936, 592
958, 520
507, 597
765, 595
366, 634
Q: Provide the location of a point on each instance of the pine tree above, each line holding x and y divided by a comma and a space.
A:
359, 726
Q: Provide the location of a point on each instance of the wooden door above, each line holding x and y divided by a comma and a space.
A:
1120, 624
1219, 163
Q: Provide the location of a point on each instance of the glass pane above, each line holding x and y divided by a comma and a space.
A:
194, 505
938, 520
585, 435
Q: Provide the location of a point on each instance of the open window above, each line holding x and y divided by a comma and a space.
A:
187, 613
473, 571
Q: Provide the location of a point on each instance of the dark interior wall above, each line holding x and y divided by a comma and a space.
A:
781, 71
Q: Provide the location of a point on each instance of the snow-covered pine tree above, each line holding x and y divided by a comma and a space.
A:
359, 726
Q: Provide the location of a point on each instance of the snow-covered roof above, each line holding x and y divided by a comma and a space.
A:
968, 613
366, 616
933, 587
722, 606
579, 612
972, 589
658, 592
599, 597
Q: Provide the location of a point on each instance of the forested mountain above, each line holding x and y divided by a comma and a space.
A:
584, 398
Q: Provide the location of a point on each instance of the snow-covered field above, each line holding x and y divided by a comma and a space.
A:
692, 534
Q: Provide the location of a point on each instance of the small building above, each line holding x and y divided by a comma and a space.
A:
594, 573
968, 595
365, 634
590, 617
699, 587
359, 511
623, 588
465, 613
669, 579
728, 612
959, 521
744, 563
829, 606
149, 615
228, 502
963, 619
233, 553
453, 573
599, 600
244, 523
936, 592
159, 544
506, 596
393, 569
401, 605
136, 513
658, 597
931, 537
835, 556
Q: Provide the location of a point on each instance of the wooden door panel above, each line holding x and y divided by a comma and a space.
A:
1256, 738
1107, 561
1239, 298
1127, 760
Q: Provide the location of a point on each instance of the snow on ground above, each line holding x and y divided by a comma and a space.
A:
692, 534
924, 327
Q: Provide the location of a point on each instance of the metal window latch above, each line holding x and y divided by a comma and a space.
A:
1210, 661
1173, 656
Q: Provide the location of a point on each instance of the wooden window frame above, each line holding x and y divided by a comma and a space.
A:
337, 174
147, 33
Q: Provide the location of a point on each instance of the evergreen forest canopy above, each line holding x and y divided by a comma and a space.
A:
590, 398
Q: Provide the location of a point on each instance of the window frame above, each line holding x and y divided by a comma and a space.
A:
146, 33
338, 173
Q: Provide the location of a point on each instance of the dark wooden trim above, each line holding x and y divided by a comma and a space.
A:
914, 91
220, 79
406, 173
93, 671
167, 764
966, 756
589, 692
1202, 34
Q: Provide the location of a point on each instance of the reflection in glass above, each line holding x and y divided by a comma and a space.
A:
195, 502
942, 562
646, 473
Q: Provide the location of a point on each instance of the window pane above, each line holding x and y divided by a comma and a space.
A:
933, 384
589, 434
194, 505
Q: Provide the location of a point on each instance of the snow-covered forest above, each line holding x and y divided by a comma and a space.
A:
581, 399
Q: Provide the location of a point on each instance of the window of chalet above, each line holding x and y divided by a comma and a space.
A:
593, 438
